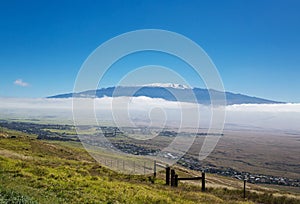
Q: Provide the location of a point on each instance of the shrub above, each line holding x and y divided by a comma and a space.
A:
12, 197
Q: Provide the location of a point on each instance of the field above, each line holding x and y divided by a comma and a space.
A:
264, 152
40, 171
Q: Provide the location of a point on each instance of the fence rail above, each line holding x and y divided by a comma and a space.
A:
190, 179
173, 179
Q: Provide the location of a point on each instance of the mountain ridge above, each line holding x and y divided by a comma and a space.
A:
170, 92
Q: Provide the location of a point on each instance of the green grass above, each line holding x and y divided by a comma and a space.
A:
49, 172
10, 196
253, 196
34, 171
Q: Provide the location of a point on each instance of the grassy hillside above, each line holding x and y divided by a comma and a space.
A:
35, 171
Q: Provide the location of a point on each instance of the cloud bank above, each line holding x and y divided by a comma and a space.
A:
145, 110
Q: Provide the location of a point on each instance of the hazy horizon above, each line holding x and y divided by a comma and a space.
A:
273, 117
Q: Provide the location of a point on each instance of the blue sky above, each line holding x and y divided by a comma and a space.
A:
254, 44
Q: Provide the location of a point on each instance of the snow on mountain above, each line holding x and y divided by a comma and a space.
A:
167, 85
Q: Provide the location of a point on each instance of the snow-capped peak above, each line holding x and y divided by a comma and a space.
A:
167, 85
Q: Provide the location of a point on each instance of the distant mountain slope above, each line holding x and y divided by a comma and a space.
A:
169, 92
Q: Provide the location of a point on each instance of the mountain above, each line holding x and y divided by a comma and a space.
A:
169, 92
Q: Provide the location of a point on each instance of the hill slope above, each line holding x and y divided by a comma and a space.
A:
62, 172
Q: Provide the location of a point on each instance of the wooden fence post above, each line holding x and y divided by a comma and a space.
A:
168, 175
172, 177
203, 182
176, 180
154, 173
245, 188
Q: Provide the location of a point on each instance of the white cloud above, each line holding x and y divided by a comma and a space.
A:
285, 107
284, 117
20, 82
